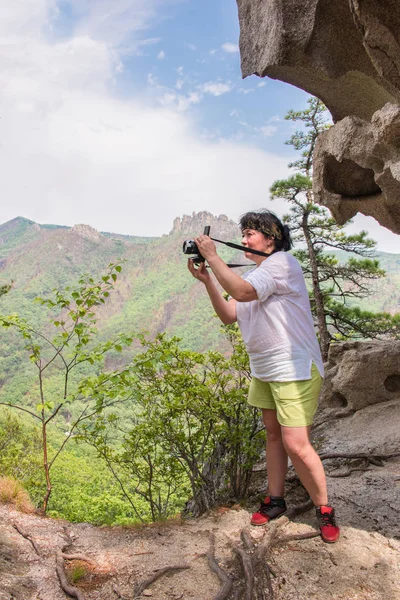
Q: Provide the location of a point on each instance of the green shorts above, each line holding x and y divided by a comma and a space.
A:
295, 402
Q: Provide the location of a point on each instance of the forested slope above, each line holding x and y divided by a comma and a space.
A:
153, 293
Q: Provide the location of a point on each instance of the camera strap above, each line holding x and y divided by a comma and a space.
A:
238, 247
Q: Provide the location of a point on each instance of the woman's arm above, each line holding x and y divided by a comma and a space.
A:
226, 311
237, 288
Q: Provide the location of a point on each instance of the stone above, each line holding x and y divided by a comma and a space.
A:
357, 168
347, 53
360, 374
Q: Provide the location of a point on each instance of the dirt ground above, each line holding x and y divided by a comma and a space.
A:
219, 556
363, 565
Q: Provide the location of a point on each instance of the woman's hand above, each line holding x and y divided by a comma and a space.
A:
199, 272
206, 246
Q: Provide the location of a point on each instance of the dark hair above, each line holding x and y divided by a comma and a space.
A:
269, 224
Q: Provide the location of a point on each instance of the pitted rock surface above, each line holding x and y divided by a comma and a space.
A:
359, 374
347, 53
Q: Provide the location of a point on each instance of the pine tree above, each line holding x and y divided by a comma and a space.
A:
333, 282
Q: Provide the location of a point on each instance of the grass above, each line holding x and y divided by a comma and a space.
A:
12, 492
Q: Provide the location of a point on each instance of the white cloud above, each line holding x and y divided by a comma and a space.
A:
262, 84
191, 47
179, 83
167, 99
161, 55
216, 88
268, 130
152, 80
246, 90
25, 17
184, 102
230, 48
119, 24
72, 152
212, 51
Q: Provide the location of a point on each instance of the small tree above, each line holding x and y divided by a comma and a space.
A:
192, 426
60, 351
333, 282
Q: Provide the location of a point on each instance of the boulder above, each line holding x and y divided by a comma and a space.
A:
347, 53
357, 429
357, 168
360, 374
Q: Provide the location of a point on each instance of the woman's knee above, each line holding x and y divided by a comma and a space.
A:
296, 445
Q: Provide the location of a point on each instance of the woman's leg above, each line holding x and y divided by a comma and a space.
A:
277, 458
308, 465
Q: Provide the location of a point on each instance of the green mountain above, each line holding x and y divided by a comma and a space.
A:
155, 292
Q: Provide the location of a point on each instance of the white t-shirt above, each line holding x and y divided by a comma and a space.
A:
278, 328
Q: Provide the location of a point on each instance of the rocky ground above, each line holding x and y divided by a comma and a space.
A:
363, 565
219, 556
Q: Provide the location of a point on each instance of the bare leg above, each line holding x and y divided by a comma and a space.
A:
306, 462
277, 458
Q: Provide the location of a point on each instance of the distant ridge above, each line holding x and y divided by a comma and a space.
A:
155, 293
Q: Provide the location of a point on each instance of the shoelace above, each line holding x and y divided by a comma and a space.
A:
327, 519
265, 509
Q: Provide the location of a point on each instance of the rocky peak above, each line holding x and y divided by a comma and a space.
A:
86, 231
194, 225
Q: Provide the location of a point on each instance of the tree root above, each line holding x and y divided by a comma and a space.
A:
375, 459
142, 586
226, 581
27, 537
348, 472
372, 459
249, 576
69, 589
253, 575
248, 571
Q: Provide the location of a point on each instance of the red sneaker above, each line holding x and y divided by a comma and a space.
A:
271, 508
330, 532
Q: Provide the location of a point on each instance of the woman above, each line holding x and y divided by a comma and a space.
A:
272, 309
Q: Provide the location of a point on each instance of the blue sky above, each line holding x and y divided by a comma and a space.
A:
124, 114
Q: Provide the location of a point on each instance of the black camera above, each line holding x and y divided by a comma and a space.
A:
190, 247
